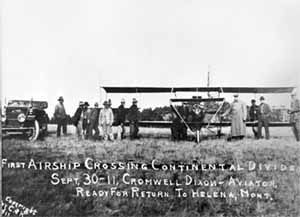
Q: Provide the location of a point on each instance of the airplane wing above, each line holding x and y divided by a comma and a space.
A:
110, 89
168, 124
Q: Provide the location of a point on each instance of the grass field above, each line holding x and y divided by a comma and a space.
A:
33, 187
276, 132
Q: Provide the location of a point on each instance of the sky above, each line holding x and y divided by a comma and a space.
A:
69, 48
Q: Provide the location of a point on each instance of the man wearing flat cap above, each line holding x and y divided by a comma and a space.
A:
264, 118
295, 115
106, 119
238, 112
60, 117
93, 120
133, 117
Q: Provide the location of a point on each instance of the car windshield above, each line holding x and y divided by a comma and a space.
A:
27, 103
18, 104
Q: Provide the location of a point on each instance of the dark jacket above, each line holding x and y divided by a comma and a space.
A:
76, 116
254, 112
121, 115
264, 112
133, 114
93, 116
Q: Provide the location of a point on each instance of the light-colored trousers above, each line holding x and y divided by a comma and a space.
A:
120, 132
79, 130
107, 131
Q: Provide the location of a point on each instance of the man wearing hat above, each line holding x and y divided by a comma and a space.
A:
121, 116
106, 119
264, 118
295, 115
238, 112
253, 114
60, 117
85, 122
133, 118
78, 119
93, 120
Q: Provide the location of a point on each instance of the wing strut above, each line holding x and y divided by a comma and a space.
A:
214, 116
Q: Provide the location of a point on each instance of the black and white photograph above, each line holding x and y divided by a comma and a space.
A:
130, 108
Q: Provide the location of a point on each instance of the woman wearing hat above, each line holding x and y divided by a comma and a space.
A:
106, 119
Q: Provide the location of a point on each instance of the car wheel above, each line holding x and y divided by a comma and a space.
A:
35, 132
43, 131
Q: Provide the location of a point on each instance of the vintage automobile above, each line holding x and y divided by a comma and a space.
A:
25, 117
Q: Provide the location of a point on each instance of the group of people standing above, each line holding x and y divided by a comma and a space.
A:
258, 113
261, 114
88, 120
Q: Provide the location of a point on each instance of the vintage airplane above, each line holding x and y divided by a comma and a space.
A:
200, 107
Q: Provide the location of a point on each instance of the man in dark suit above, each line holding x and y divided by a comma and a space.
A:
121, 116
253, 114
178, 128
264, 118
93, 120
78, 119
133, 117
85, 122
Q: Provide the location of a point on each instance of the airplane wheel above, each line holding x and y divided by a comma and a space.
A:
35, 132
